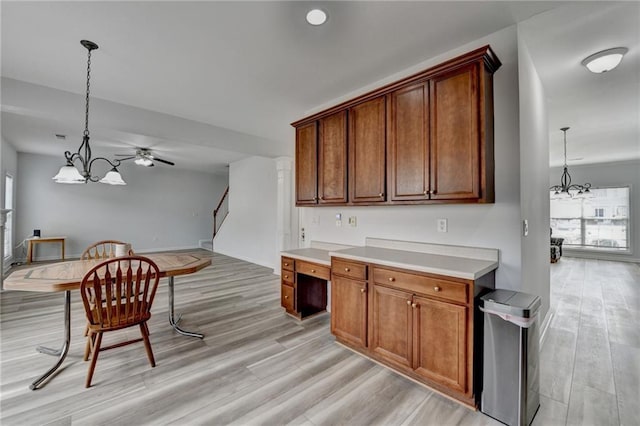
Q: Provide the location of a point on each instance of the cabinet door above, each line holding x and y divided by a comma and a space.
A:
349, 310
440, 342
307, 164
391, 325
332, 159
455, 135
367, 177
408, 143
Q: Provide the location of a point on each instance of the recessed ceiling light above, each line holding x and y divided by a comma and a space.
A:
316, 17
605, 61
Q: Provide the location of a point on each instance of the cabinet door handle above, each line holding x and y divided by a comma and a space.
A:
321, 198
434, 192
313, 270
362, 290
413, 305
286, 264
436, 288
408, 302
392, 279
347, 269
286, 276
286, 297
425, 192
381, 194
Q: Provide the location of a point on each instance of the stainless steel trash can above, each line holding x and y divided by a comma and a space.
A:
510, 376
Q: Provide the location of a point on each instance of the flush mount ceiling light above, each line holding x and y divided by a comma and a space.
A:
566, 188
70, 173
605, 61
316, 17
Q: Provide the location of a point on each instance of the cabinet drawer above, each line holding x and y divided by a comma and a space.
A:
313, 269
428, 286
287, 264
349, 269
286, 297
287, 277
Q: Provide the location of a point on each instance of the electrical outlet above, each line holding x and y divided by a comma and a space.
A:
525, 227
302, 234
442, 225
353, 221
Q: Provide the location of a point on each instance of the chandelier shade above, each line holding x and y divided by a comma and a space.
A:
70, 173
566, 188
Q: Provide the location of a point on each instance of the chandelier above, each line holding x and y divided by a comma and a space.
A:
566, 187
70, 173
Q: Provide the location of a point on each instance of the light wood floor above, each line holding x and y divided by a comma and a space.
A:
258, 366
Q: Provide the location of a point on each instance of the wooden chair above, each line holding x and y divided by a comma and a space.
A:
135, 279
105, 249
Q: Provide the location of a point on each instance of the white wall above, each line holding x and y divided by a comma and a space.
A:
534, 182
249, 232
492, 225
626, 173
159, 209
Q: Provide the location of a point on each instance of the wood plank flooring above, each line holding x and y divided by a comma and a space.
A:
257, 365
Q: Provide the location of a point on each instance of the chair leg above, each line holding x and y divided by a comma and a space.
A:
147, 344
89, 346
94, 358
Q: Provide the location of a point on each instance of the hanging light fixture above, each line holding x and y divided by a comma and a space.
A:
70, 173
566, 187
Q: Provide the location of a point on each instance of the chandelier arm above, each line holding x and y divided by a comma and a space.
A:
114, 164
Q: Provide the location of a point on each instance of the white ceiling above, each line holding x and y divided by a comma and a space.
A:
207, 83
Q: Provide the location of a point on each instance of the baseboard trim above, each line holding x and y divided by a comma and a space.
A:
544, 327
601, 256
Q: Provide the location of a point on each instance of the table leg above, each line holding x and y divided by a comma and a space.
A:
29, 251
173, 321
65, 345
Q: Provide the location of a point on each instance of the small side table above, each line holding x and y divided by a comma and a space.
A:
33, 241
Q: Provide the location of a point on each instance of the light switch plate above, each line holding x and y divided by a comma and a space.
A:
442, 225
353, 221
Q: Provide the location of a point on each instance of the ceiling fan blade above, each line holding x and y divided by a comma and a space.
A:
163, 161
127, 158
122, 155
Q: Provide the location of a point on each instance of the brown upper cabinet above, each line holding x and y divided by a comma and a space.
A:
332, 159
367, 128
306, 164
425, 139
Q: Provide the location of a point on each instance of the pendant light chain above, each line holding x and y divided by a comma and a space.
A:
86, 114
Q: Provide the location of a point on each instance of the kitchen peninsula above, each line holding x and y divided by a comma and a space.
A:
407, 305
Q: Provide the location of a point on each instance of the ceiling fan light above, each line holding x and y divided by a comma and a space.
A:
605, 60
113, 178
142, 161
69, 174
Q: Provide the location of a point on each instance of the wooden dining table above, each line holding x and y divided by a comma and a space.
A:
67, 276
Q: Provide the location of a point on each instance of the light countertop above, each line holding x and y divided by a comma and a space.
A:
452, 266
314, 255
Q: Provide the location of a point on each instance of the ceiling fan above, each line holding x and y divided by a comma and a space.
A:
144, 157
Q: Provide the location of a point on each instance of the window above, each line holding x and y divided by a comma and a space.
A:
600, 221
8, 227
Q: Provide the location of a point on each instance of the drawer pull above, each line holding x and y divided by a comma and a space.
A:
436, 288
286, 276
381, 195
408, 302
286, 264
313, 270
347, 269
286, 297
413, 305
362, 290
392, 279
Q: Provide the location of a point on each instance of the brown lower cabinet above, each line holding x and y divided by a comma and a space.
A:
303, 289
418, 324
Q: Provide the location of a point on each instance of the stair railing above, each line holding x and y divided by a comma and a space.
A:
220, 213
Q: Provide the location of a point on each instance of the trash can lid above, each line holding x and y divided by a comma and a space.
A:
511, 302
